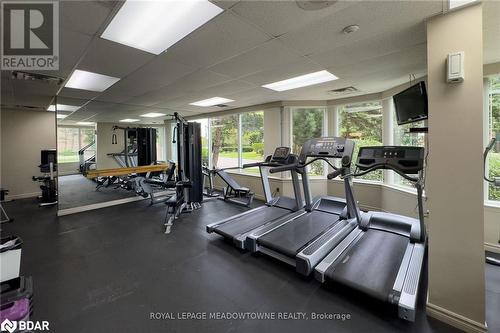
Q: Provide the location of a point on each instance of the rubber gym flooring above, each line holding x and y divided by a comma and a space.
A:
76, 190
108, 270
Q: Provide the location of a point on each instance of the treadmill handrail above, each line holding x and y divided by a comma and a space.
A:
301, 166
259, 164
380, 166
418, 185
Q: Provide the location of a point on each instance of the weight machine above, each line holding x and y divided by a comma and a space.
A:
48, 167
189, 178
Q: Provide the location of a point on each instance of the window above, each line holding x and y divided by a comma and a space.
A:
252, 138
363, 123
70, 140
225, 141
494, 121
403, 137
308, 123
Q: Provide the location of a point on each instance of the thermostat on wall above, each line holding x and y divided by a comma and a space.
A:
455, 72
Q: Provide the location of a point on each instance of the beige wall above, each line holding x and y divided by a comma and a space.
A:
23, 135
455, 194
272, 129
103, 147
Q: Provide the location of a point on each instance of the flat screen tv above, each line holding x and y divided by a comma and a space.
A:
411, 104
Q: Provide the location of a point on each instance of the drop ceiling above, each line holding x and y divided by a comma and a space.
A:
250, 44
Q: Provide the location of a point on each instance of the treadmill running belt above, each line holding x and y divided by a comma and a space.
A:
290, 238
250, 221
372, 264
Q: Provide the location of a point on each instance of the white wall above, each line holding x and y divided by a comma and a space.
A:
23, 135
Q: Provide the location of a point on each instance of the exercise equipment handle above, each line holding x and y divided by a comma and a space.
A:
485, 157
251, 165
334, 174
282, 168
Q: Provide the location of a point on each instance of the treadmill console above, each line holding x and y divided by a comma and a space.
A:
408, 160
328, 147
280, 154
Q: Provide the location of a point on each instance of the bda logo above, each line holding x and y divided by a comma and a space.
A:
9, 326
30, 37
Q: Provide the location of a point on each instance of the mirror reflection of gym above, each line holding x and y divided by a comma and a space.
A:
98, 157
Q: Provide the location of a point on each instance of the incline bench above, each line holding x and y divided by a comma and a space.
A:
234, 192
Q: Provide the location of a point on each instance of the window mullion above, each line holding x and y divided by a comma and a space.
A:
240, 155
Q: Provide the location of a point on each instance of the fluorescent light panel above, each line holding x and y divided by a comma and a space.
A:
90, 81
154, 26
61, 116
212, 101
128, 120
301, 81
63, 107
459, 3
85, 123
153, 115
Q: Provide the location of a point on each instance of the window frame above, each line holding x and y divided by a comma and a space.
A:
488, 109
324, 132
239, 137
80, 146
338, 116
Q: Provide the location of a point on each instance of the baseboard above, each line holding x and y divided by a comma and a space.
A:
491, 247
455, 320
22, 196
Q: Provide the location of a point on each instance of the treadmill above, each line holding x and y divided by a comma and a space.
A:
304, 240
383, 256
237, 227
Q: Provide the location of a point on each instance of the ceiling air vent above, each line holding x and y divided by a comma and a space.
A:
22, 107
25, 76
343, 91
314, 4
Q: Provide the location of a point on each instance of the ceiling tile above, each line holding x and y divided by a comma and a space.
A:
282, 72
225, 4
84, 16
373, 17
374, 47
113, 59
279, 17
416, 55
159, 72
78, 93
262, 57
194, 82
223, 37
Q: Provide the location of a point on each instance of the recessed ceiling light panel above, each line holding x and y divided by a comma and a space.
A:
154, 26
301, 81
90, 81
212, 101
128, 120
63, 107
153, 115
61, 116
85, 123
459, 3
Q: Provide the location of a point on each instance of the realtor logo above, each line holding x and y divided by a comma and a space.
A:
8, 326
30, 35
